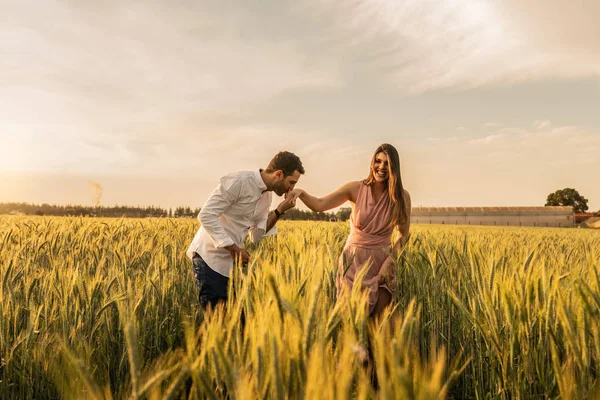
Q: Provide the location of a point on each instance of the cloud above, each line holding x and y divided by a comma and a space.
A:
443, 138
101, 66
487, 140
131, 85
556, 27
430, 45
146, 61
491, 125
542, 124
546, 143
527, 147
516, 165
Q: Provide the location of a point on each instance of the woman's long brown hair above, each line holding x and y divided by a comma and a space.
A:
395, 188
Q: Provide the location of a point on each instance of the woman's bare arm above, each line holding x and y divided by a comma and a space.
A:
347, 192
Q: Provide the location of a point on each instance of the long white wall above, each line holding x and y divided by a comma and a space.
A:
559, 217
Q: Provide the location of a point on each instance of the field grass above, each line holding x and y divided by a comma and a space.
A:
101, 308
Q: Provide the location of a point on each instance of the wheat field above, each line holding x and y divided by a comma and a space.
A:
107, 308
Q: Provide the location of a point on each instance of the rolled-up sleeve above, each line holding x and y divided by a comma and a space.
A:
224, 195
257, 232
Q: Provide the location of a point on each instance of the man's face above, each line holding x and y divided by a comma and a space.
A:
283, 185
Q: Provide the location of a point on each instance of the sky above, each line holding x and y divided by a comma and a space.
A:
489, 103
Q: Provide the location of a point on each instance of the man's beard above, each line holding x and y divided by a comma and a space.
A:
280, 190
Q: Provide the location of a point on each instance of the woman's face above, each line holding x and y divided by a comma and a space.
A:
381, 167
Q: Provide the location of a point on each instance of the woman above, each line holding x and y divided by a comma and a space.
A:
379, 203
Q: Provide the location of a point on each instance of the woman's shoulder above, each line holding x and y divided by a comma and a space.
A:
353, 188
356, 185
353, 185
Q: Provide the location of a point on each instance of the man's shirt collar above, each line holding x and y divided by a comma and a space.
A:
259, 181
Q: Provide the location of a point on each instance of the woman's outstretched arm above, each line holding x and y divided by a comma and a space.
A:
347, 192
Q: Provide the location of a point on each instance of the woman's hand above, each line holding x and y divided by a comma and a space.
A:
296, 193
384, 271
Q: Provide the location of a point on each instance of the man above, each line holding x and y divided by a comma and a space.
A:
239, 205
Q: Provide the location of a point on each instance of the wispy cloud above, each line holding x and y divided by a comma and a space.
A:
160, 87
491, 125
463, 44
100, 66
542, 124
487, 140
546, 142
146, 61
540, 143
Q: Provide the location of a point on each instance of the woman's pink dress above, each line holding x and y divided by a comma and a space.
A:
369, 241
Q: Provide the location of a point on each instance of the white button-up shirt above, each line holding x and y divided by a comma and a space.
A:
239, 205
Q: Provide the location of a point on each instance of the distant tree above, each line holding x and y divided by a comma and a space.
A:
343, 213
568, 197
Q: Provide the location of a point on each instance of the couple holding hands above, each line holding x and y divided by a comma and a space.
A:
239, 206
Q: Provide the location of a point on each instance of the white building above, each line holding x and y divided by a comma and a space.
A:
559, 217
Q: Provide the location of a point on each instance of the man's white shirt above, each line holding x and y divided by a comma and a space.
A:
238, 206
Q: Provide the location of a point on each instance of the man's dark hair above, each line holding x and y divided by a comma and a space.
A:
287, 162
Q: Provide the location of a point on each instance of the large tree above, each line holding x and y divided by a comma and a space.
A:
568, 197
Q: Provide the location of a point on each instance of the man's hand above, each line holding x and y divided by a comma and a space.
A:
239, 254
288, 203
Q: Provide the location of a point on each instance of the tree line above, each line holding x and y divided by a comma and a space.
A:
563, 197
118, 211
